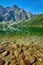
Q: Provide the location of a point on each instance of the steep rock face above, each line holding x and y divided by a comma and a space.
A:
30, 15
2, 10
14, 13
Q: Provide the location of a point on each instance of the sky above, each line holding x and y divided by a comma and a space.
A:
33, 6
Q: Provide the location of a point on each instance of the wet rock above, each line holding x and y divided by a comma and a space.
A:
11, 52
13, 46
5, 53
26, 53
12, 57
17, 52
27, 62
30, 52
22, 62
32, 59
22, 56
40, 63
23, 48
1, 61
13, 63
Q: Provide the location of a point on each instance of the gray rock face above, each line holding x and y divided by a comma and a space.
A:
14, 13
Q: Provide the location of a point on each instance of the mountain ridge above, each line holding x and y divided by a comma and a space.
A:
14, 13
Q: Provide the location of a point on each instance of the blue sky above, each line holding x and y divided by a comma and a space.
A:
34, 6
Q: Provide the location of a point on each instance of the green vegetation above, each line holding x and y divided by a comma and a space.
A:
37, 21
23, 28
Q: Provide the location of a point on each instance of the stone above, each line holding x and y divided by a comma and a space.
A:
23, 48
5, 53
13, 46
26, 53
12, 57
13, 63
22, 56
40, 63
24, 62
31, 59
1, 61
17, 52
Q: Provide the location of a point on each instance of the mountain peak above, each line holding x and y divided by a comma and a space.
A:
13, 13
1, 6
15, 7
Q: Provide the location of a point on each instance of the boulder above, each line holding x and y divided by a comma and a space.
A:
13, 63
22, 56
5, 53
23, 62
17, 52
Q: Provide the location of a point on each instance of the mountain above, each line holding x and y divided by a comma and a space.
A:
37, 21
14, 13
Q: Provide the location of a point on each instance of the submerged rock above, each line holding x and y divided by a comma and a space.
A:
15, 54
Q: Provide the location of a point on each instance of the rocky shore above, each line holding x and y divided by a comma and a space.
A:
20, 54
